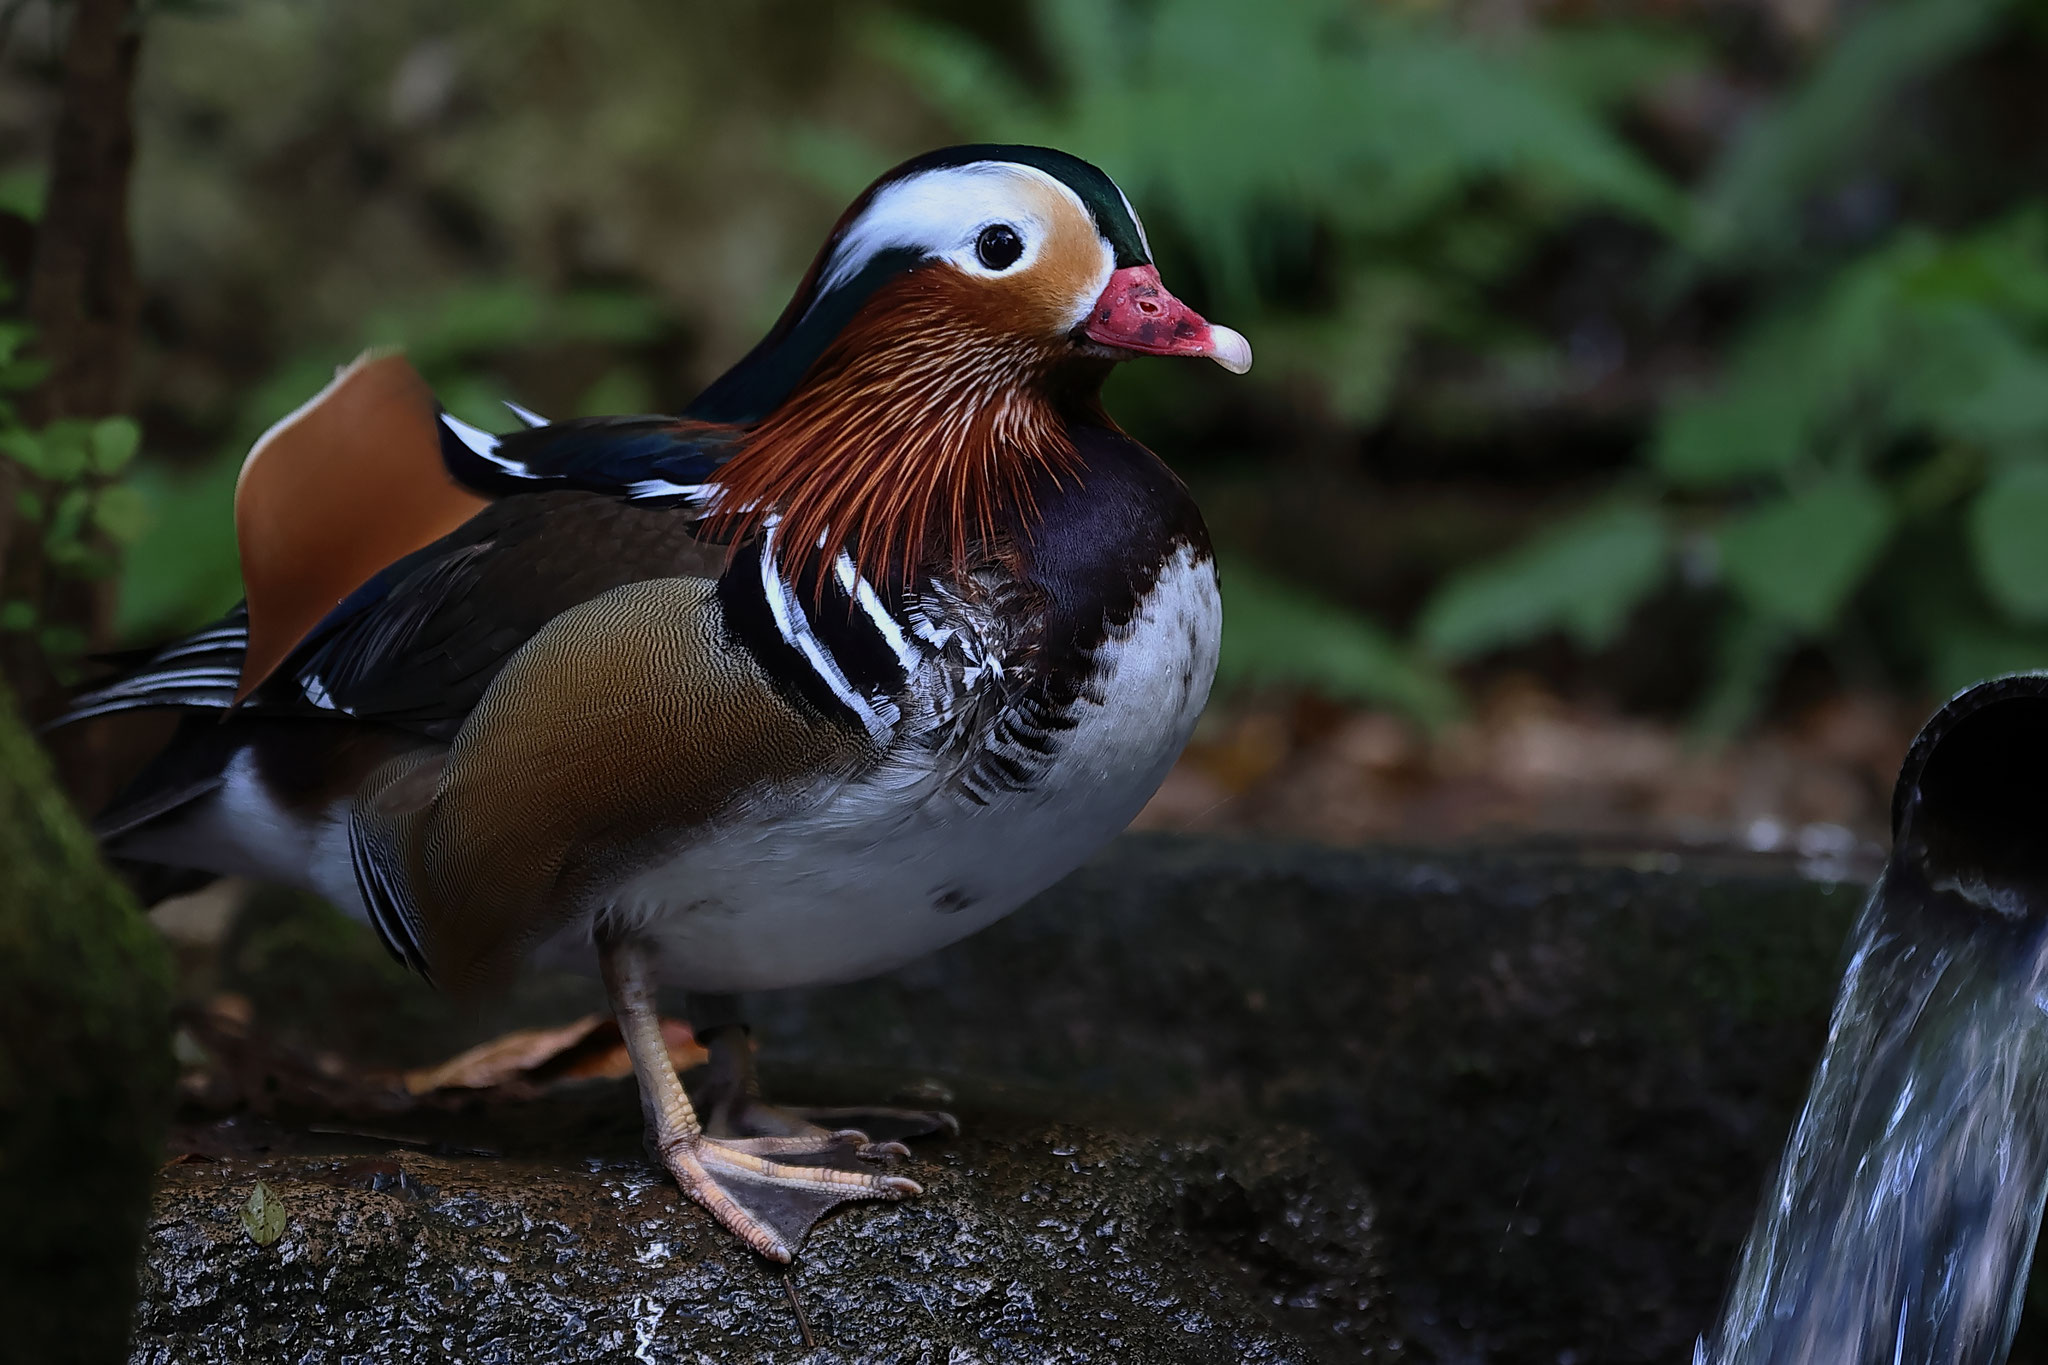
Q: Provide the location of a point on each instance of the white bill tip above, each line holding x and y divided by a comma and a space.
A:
1231, 350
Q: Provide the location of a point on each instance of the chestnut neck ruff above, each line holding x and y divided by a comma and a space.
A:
914, 439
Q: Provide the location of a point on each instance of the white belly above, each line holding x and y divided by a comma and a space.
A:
883, 871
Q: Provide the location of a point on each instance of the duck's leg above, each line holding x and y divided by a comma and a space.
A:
729, 1093
761, 1187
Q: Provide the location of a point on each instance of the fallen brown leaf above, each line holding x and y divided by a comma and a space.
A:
590, 1048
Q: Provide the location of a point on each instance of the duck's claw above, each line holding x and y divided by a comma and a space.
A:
727, 1093
769, 1189
890, 1127
769, 1192
877, 1133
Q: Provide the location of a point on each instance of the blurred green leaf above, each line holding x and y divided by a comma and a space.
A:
1278, 634
839, 163
954, 71
463, 322
66, 521
1974, 378
23, 191
62, 642
1797, 559
620, 390
1751, 203
1915, 337
1750, 429
1603, 66
122, 512
24, 447
478, 399
113, 442
605, 315
2009, 538
19, 375
1583, 576
60, 452
1967, 653
182, 569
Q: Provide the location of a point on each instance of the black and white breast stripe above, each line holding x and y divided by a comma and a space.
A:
842, 650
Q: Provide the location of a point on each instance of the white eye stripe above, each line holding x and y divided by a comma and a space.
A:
941, 214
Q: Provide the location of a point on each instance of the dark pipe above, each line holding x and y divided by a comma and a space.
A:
1974, 787
1901, 1222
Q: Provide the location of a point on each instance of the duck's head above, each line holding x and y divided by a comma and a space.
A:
964, 309
1023, 249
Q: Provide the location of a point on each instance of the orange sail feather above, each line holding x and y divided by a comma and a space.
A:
337, 490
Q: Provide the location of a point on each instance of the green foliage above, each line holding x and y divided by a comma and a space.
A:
1276, 633
2009, 535
1911, 389
1797, 558
181, 569
1582, 577
1882, 418
1826, 129
22, 191
1348, 143
75, 490
75, 463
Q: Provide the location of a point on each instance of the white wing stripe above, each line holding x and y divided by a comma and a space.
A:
484, 444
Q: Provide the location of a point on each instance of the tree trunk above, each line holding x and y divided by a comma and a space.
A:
85, 1073
83, 300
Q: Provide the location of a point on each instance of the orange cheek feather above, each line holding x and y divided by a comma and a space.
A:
333, 493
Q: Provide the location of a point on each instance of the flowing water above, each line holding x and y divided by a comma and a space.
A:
1901, 1223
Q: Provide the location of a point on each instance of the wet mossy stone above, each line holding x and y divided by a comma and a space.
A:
1556, 1079
85, 1072
1033, 1242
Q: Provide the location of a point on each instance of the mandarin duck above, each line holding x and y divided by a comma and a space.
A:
883, 635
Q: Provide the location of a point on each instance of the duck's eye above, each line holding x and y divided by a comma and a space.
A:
999, 246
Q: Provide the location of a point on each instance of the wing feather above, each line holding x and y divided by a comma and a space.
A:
629, 726
420, 643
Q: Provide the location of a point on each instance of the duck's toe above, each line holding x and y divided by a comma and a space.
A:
770, 1191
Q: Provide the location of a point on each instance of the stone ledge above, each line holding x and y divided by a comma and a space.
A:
1033, 1242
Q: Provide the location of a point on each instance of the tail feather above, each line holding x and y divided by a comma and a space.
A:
189, 768
201, 670
145, 801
